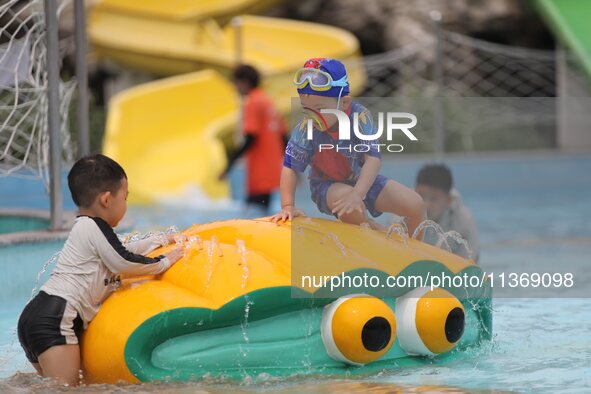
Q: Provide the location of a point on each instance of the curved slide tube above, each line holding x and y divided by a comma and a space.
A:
169, 134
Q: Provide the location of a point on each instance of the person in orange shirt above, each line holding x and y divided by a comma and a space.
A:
264, 139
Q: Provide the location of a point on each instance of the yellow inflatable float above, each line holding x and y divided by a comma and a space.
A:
245, 300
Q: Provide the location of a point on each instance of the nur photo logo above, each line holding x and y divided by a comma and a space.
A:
394, 121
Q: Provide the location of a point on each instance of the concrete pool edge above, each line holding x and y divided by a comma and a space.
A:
32, 237
20, 237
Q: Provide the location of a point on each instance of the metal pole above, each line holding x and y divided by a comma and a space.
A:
237, 24
53, 115
561, 94
82, 78
439, 114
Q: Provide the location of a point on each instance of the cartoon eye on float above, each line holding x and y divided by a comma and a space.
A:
357, 329
430, 322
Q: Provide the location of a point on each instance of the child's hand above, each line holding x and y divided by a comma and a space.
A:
349, 203
175, 255
287, 213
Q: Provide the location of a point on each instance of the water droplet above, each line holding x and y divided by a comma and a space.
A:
244, 324
43, 270
192, 247
336, 240
241, 247
195, 242
430, 224
130, 237
180, 239
172, 230
213, 244
399, 229
457, 238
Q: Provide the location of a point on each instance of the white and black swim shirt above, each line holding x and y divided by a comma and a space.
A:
91, 260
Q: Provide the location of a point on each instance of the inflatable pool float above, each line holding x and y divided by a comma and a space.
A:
241, 303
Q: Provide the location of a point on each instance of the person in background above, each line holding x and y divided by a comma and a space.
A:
445, 207
264, 139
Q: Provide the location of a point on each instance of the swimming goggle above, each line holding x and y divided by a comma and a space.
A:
318, 79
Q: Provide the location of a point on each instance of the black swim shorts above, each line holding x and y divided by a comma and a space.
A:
47, 321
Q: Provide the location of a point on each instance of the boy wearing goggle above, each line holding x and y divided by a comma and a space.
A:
343, 182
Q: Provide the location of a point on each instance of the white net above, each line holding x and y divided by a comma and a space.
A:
24, 140
494, 97
469, 68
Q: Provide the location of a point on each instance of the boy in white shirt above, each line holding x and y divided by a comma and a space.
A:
87, 271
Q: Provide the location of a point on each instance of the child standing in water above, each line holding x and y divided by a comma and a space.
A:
50, 326
445, 207
343, 182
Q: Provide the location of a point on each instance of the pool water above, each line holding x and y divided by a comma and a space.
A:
534, 216
10, 224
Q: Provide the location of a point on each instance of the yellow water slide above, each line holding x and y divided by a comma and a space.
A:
183, 10
169, 134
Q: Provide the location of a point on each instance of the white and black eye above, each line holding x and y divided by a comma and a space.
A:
429, 321
358, 329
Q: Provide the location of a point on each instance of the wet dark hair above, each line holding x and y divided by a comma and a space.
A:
436, 175
93, 175
247, 73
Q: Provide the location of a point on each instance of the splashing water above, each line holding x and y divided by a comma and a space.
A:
241, 247
162, 238
399, 229
308, 343
443, 244
213, 245
194, 243
171, 230
457, 238
244, 324
180, 239
425, 225
137, 236
43, 270
210, 249
430, 224
129, 237
442, 236
337, 241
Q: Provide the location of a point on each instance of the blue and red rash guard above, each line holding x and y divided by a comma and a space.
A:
342, 162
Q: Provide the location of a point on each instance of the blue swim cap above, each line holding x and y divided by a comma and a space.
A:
335, 68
